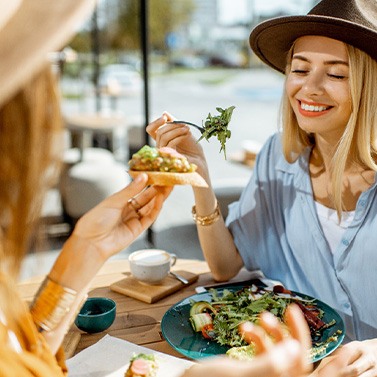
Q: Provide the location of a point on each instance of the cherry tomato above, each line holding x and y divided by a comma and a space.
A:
208, 331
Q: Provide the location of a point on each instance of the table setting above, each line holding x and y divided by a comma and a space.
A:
153, 316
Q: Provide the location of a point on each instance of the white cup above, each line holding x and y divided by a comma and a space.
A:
151, 266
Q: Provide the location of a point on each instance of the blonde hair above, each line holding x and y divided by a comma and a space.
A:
358, 145
29, 123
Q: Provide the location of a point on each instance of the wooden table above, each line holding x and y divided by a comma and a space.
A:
136, 321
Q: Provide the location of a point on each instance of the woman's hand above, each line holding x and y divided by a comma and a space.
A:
287, 356
295, 365
115, 223
105, 230
351, 360
179, 137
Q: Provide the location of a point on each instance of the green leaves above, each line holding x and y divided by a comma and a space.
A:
218, 126
233, 308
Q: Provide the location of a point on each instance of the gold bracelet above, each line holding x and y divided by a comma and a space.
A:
206, 220
51, 304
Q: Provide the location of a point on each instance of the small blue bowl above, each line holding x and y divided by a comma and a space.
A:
96, 315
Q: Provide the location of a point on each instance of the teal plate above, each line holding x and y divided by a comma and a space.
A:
177, 330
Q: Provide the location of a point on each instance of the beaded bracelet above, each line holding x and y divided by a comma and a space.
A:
206, 220
51, 304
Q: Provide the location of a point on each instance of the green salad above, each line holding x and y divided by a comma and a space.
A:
219, 319
217, 125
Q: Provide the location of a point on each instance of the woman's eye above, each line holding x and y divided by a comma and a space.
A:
299, 71
338, 77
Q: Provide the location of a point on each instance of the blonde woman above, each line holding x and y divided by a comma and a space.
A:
30, 127
308, 214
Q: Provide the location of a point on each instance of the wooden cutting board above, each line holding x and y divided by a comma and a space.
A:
151, 293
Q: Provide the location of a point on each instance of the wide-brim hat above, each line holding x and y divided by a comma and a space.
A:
351, 21
29, 31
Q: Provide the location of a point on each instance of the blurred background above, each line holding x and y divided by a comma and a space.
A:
134, 59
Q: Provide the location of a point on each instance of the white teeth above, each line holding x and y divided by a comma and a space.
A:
312, 108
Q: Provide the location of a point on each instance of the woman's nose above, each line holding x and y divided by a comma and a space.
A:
313, 83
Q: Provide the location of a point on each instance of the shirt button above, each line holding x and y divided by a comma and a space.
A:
347, 305
345, 242
362, 203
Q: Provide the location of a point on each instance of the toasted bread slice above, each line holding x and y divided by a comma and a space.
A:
170, 179
142, 365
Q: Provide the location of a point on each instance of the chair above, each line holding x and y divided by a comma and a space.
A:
85, 184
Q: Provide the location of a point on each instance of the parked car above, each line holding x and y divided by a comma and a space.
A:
189, 61
226, 61
120, 79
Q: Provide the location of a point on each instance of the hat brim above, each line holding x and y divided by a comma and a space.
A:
35, 29
272, 40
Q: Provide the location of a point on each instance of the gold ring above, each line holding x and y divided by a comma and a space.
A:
134, 204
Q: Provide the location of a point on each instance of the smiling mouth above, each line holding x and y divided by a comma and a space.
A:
313, 108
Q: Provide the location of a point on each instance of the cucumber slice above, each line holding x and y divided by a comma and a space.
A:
201, 307
198, 321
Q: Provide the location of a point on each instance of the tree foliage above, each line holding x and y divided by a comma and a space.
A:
164, 17
122, 30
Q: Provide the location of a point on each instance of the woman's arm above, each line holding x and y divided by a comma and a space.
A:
215, 239
105, 230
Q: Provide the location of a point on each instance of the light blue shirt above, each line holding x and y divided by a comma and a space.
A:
276, 229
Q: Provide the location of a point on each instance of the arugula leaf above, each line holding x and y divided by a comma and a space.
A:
217, 125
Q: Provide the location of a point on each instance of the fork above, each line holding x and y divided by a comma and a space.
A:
201, 129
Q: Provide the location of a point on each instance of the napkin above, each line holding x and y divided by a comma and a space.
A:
110, 357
